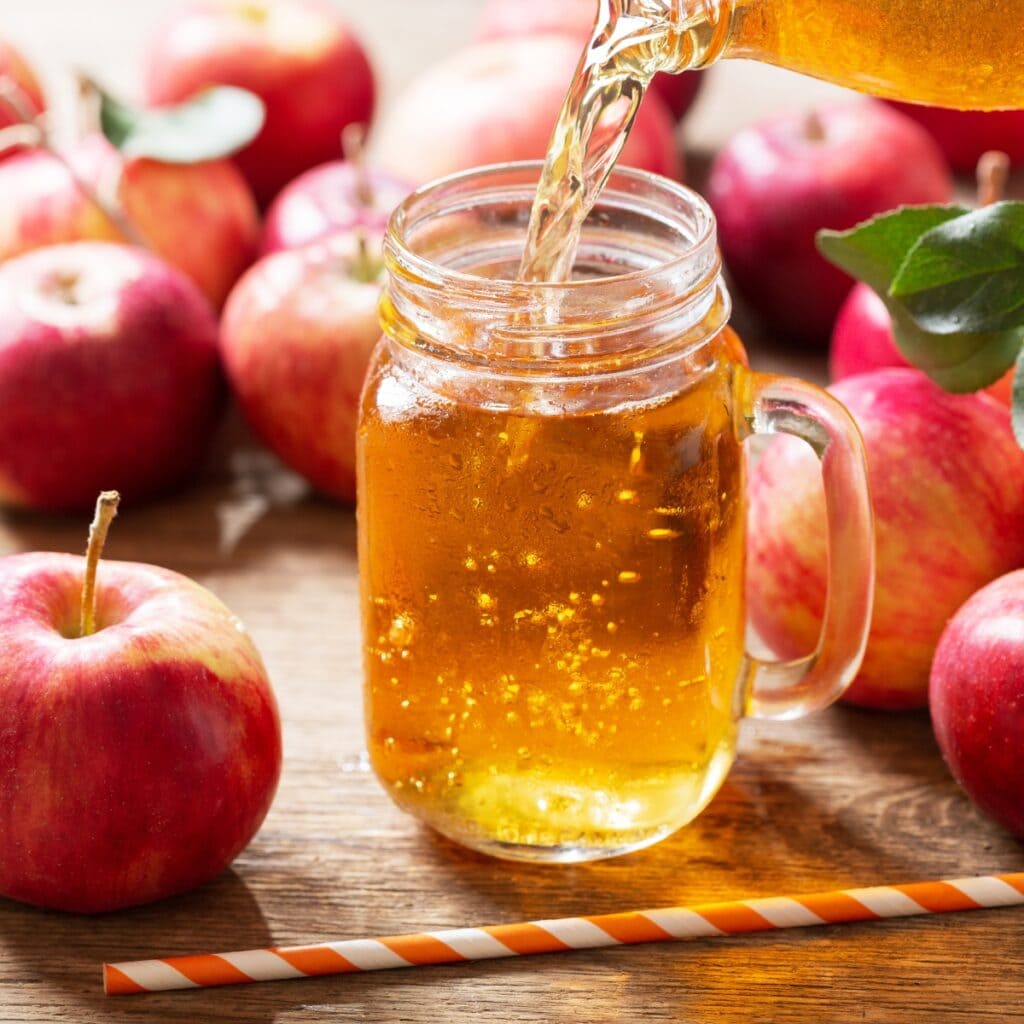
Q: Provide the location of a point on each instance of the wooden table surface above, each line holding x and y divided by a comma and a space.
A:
846, 798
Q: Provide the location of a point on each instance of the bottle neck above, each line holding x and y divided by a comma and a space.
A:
700, 32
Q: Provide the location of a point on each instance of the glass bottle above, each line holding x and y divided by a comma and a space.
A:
967, 54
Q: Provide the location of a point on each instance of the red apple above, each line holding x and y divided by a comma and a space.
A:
199, 217
965, 135
296, 337
496, 102
576, 18
777, 184
20, 85
977, 699
862, 341
109, 375
139, 758
946, 476
327, 200
299, 56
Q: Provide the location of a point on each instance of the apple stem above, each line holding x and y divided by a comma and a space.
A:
814, 127
106, 509
17, 104
88, 105
353, 146
364, 268
993, 174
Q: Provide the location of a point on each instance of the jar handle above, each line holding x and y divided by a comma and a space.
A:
791, 689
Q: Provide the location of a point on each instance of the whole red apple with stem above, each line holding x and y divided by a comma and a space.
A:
863, 340
299, 56
977, 699
504, 18
946, 477
109, 376
296, 337
778, 183
336, 197
142, 743
496, 102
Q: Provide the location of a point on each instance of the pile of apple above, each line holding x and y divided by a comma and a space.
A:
229, 231
212, 235
946, 472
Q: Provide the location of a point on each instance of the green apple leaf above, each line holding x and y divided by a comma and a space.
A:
1018, 400
960, 363
212, 124
874, 251
967, 274
925, 286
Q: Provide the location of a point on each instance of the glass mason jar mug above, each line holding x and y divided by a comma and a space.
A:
552, 524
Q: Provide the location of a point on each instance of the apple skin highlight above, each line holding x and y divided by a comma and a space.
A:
136, 762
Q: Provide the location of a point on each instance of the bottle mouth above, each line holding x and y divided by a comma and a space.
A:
647, 272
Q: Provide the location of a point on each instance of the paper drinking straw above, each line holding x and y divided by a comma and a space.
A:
460, 945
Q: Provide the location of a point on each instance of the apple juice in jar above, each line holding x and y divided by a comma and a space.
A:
551, 530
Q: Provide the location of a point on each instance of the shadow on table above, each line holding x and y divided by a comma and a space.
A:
49, 951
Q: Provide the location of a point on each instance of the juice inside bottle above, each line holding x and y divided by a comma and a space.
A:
954, 53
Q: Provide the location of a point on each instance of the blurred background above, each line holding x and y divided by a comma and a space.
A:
106, 38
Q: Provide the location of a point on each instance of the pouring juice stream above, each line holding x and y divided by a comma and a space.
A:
958, 53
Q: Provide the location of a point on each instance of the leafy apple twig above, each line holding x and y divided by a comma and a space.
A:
215, 123
29, 132
953, 282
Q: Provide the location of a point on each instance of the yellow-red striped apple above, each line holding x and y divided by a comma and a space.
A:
296, 336
141, 749
947, 479
199, 217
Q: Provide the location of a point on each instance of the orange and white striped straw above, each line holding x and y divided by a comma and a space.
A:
708, 920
